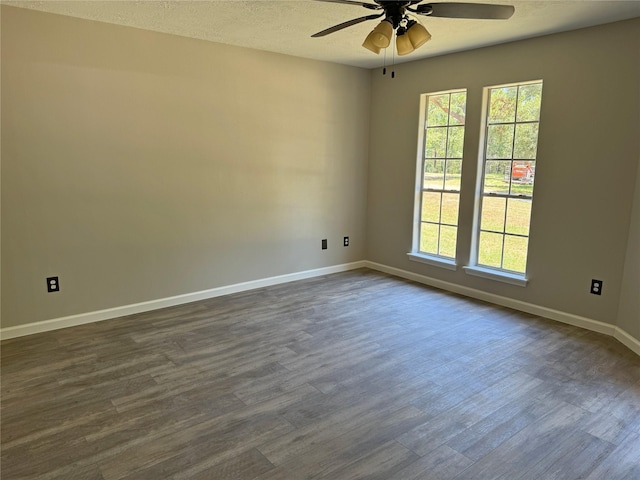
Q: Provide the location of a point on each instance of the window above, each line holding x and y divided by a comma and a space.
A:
507, 176
440, 170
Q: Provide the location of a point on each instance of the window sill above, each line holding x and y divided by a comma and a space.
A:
490, 273
433, 260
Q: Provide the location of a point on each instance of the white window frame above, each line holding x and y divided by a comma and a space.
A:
441, 261
474, 268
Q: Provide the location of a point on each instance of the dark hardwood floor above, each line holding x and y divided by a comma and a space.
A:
351, 376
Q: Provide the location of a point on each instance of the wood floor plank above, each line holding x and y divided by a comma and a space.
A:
379, 464
535, 447
245, 465
359, 409
585, 452
483, 437
463, 415
443, 463
357, 375
323, 456
623, 463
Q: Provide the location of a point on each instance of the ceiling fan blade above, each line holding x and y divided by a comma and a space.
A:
485, 11
370, 6
340, 26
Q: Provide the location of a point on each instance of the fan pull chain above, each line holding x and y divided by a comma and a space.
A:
384, 63
393, 62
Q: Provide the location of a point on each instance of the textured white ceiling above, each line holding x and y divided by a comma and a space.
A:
285, 26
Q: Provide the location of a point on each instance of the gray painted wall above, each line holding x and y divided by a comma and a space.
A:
629, 312
139, 165
585, 175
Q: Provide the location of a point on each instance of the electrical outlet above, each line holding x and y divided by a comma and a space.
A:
324, 243
53, 284
596, 287
346, 241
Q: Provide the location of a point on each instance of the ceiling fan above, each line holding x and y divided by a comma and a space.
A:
401, 17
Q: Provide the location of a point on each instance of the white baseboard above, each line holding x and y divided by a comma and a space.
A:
630, 342
57, 323
97, 316
587, 323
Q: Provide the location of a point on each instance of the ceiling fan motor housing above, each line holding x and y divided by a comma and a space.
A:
394, 11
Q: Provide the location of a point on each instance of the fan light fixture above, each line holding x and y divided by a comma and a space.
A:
410, 35
417, 34
400, 16
403, 42
380, 37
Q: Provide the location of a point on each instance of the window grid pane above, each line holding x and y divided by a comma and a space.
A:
493, 211
431, 207
447, 244
518, 216
453, 175
442, 172
434, 174
490, 251
502, 105
515, 253
508, 176
449, 208
429, 236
